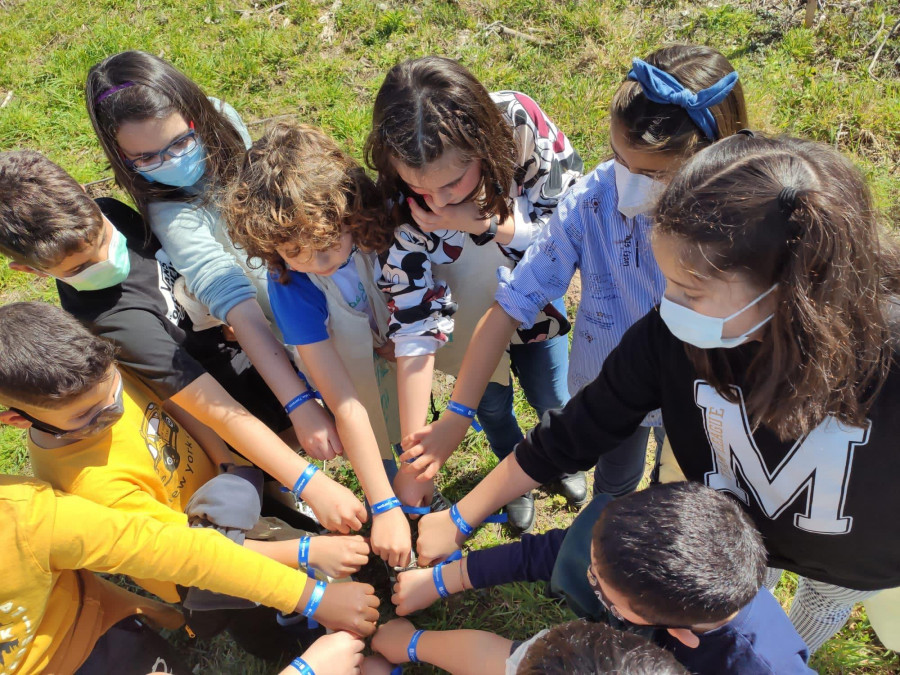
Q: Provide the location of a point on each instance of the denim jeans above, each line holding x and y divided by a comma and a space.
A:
619, 471
542, 369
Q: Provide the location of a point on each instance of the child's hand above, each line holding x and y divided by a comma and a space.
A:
386, 351
316, 431
392, 639
432, 445
412, 491
438, 538
335, 506
338, 556
413, 591
376, 665
391, 538
348, 606
335, 654
465, 217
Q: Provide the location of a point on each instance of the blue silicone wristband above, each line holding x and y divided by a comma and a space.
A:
386, 505
438, 577
411, 649
460, 522
302, 667
303, 552
313, 604
304, 479
461, 409
416, 510
299, 400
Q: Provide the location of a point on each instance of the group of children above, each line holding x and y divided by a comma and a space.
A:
737, 301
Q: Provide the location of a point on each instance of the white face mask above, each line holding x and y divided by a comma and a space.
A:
637, 193
106, 273
706, 331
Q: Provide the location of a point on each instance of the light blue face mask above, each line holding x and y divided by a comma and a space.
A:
181, 171
704, 331
106, 273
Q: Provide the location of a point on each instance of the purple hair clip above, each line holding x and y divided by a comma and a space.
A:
112, 90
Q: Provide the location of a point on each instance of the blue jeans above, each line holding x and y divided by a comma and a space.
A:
619, 471
543, 370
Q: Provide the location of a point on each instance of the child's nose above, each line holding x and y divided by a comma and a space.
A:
440, 199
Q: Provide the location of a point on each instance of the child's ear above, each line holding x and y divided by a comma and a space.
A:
686, 637
12, 418
22, 267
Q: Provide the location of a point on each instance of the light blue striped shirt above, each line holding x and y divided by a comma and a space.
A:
620, 281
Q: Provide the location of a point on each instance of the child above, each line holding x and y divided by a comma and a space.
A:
107, 275
89, 437
678, 558
602, 229
171, 148
466, 168
57, 617
313, 216
573, 647
775, 381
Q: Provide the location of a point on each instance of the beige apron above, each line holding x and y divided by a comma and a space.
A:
375, 378
472, 280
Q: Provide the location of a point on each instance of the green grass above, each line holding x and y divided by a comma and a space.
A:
324, 61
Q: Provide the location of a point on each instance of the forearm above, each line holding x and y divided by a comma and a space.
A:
465, 652
414, 377
361, 449
506, 482
486, 348
284, 552
214, 447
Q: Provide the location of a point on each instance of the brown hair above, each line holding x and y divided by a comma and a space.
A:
47, 358
665, 127
45, 216
796, 213
588, 648
158, 90
296, 187
429, 105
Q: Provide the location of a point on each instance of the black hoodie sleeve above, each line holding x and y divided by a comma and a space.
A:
604, 413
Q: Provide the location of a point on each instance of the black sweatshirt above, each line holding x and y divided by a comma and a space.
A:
828, 505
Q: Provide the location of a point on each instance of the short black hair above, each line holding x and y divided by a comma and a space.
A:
45, 216
587, 648
46, 357
682, 553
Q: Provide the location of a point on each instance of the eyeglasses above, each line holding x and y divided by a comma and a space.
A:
611, 608
177, 148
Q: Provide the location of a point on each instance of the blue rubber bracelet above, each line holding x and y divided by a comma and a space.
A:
313, 604
299, 400
385, 505
460, 522
398, 670
303, 553
438, 577
497, 518
302, 667
411, 649
416, 510
304, 479
461, 409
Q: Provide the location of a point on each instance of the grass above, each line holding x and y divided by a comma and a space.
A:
323, 62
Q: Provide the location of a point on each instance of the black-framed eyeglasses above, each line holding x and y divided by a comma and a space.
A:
611, 608
177, 148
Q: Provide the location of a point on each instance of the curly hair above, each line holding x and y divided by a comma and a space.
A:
794, 213
297, 188
429, 105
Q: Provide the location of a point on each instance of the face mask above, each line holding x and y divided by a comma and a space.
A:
101, 421
181, 171
106, 273
704, 331
637, 193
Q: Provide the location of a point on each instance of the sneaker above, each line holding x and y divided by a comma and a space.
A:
521, 513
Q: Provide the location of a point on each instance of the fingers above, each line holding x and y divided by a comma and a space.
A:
429, 472
335, 446
412, 453
422, 463
427, 221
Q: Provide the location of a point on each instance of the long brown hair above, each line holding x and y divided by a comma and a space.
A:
297, 188
796, 213
429, 105
665, 127
157, 90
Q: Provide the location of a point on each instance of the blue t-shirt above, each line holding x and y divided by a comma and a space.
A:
300, 309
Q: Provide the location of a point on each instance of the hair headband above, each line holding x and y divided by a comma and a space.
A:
112, 90
660, 87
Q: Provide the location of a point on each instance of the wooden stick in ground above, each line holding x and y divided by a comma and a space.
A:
810, 13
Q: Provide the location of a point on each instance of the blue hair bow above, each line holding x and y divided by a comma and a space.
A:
660, 87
